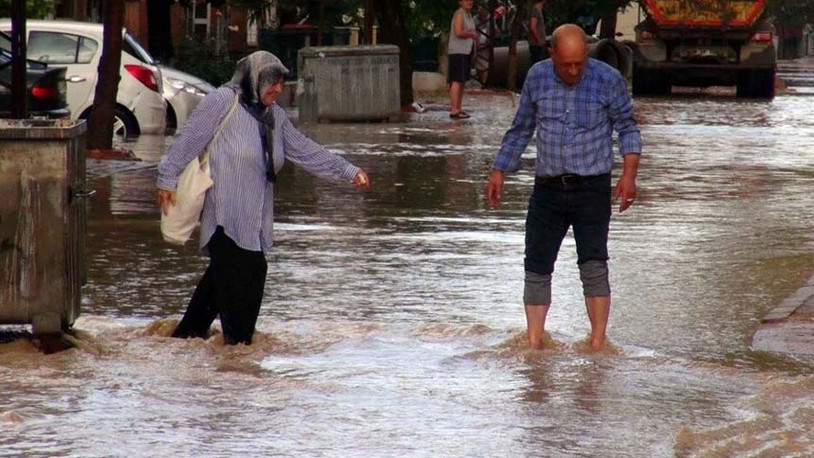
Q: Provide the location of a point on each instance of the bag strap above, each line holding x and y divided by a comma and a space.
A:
205, 156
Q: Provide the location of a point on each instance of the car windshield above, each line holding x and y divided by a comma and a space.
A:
131, 46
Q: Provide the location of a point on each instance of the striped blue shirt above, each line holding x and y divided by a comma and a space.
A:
242, 200
574, 123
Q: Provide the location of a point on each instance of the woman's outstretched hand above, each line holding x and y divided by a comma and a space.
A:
360, 180
164, 199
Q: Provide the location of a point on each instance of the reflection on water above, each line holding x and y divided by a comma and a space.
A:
392, 323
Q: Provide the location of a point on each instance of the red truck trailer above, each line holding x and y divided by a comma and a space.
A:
702, 43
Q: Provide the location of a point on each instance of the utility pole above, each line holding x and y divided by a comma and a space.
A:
369, 18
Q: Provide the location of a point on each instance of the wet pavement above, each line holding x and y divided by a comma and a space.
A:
393, 325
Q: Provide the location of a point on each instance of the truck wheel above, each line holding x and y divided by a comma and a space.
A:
649, 82
756, 84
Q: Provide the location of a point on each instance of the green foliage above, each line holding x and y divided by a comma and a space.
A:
560, 12
791, 13
336, 12
198, 58
34, 9
429, 17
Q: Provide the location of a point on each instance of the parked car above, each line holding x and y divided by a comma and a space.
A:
182, 92
140, 107
45, 87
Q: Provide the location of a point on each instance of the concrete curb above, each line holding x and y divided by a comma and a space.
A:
791, 303
779, 332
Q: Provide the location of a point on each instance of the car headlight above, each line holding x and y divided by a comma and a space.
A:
186, 87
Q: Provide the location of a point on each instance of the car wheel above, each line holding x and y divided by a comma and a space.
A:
124, 123
172, 119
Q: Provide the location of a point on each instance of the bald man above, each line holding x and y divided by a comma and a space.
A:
574, 103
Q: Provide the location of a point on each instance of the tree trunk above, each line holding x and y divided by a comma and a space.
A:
608, 29
393, 30
490, 78
321, 23
100, 124
514, 36
19, 110
369, 19
159, 30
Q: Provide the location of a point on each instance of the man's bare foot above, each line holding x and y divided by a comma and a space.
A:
597, 344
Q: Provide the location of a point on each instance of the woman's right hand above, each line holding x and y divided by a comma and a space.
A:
360, 180
164, 199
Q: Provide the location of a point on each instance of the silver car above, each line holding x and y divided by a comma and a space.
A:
182, 92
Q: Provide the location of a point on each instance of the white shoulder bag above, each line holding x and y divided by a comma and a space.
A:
182, 218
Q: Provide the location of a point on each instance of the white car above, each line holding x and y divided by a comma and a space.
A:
140, 107
182, 92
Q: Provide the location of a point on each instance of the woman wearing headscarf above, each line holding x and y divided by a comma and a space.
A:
237, 219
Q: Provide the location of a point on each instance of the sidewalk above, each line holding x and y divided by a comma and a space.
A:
789, 327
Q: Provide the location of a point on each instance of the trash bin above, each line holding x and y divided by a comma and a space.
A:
42, 222
348, 83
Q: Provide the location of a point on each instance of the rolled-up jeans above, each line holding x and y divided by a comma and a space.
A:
557, 203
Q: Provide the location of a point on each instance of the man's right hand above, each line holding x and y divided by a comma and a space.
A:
494, 188
164, 199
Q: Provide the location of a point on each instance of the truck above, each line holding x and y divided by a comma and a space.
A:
703, 43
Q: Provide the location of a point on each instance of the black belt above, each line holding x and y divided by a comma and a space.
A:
568, 179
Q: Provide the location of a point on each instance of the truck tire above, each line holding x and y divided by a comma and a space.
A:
649, 82
756, 84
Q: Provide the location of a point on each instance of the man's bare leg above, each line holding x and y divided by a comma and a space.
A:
598, 311
535, 322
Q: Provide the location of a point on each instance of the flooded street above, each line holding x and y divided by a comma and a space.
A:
393, 323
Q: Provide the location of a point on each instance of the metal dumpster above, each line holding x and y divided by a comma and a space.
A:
42, 222
348, 83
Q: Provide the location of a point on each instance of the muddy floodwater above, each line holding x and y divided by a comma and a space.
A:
393, 325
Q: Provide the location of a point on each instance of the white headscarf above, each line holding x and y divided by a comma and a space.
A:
253, 76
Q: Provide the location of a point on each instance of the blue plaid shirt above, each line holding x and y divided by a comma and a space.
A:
574, 123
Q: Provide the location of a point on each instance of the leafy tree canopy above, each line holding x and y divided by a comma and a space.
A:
791, 13
34, 9
560, 12
432, 17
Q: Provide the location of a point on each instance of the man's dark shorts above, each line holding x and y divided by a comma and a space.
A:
556, 204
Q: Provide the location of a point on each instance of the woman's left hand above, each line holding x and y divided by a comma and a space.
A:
360, 180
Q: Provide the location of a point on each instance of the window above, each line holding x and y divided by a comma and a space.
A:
201, 13
131, 46
61, 48
87, 49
